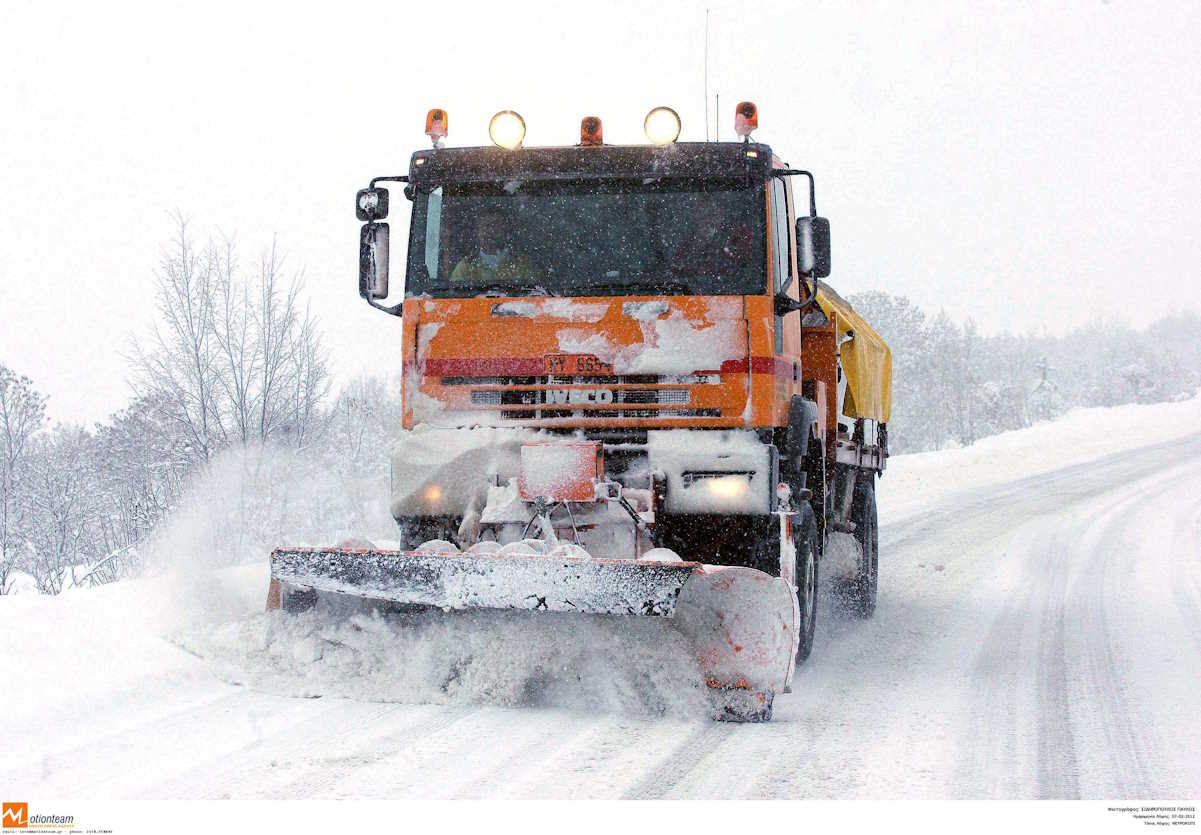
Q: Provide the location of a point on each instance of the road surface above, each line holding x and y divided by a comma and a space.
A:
1039, 639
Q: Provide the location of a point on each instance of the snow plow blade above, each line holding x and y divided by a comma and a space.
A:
743, 624
470, 581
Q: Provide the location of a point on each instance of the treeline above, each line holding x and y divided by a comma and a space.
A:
952, 386
234, 361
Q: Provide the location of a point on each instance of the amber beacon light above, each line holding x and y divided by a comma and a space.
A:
436, 125
746, 118
591, 131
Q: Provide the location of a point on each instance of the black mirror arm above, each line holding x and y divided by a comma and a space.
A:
812, 299
399, 178
791, 172
393, 310
784, 304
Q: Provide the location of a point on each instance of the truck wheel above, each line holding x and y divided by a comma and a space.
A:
861, 592
805, 538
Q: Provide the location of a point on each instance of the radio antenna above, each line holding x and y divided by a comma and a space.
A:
706, 73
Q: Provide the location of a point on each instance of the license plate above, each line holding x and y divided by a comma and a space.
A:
571, 365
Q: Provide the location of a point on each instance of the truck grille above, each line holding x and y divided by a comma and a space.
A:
613, 396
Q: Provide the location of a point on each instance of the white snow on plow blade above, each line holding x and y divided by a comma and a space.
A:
479, 581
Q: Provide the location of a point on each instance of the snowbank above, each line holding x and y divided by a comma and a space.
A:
913, 481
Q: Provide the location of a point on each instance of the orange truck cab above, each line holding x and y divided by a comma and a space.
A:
650, 318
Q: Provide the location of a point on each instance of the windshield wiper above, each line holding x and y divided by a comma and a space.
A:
655, 287
494, 290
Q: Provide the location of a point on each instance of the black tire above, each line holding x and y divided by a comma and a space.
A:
414, 530
742, 706
861, 592
805, 571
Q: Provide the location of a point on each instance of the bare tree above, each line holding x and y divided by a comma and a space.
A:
234, 332
309, 379
275, 319
22, 413
178, 369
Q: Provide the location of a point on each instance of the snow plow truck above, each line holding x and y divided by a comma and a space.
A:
626, 393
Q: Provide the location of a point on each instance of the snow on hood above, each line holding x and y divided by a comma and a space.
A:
670, 345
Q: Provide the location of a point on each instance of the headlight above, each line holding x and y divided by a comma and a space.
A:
662, 126
722, 486
728, 487
507, 129
432, 495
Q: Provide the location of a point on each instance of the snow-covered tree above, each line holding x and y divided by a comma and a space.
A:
63, 496
22, 414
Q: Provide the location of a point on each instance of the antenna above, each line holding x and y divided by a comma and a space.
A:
717, 118
706, 73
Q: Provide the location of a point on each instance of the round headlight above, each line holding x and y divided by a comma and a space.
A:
662, 126
507, 129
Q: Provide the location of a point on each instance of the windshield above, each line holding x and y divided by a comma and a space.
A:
596, 237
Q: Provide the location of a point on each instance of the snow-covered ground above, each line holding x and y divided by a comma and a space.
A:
1038, 635
912, 482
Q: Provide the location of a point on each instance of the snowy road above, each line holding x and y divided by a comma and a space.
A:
1036, 639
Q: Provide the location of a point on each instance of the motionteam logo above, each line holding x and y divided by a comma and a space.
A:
16, 816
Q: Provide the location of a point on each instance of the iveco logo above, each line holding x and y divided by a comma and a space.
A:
573, 396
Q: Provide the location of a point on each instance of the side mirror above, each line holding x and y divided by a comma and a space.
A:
371, 204
813, 246
373, 261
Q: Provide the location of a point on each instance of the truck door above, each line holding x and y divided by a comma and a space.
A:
788, 328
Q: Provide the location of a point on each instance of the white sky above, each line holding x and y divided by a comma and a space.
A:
1027, 165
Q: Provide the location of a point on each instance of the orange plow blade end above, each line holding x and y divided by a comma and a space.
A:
744, 625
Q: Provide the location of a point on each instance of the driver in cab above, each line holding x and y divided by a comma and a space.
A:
718, 246
494, 261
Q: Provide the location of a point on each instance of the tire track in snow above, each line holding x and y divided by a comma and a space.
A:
689, 756
328, 771
1120, 547
262, 761
549, 744
1057, 766
1071, 589
110, 763
605, 763
1186, 584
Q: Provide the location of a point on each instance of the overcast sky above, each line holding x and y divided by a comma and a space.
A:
1029, 165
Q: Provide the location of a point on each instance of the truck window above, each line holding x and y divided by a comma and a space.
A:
433, 222
780, 252
780, 246
598, 237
